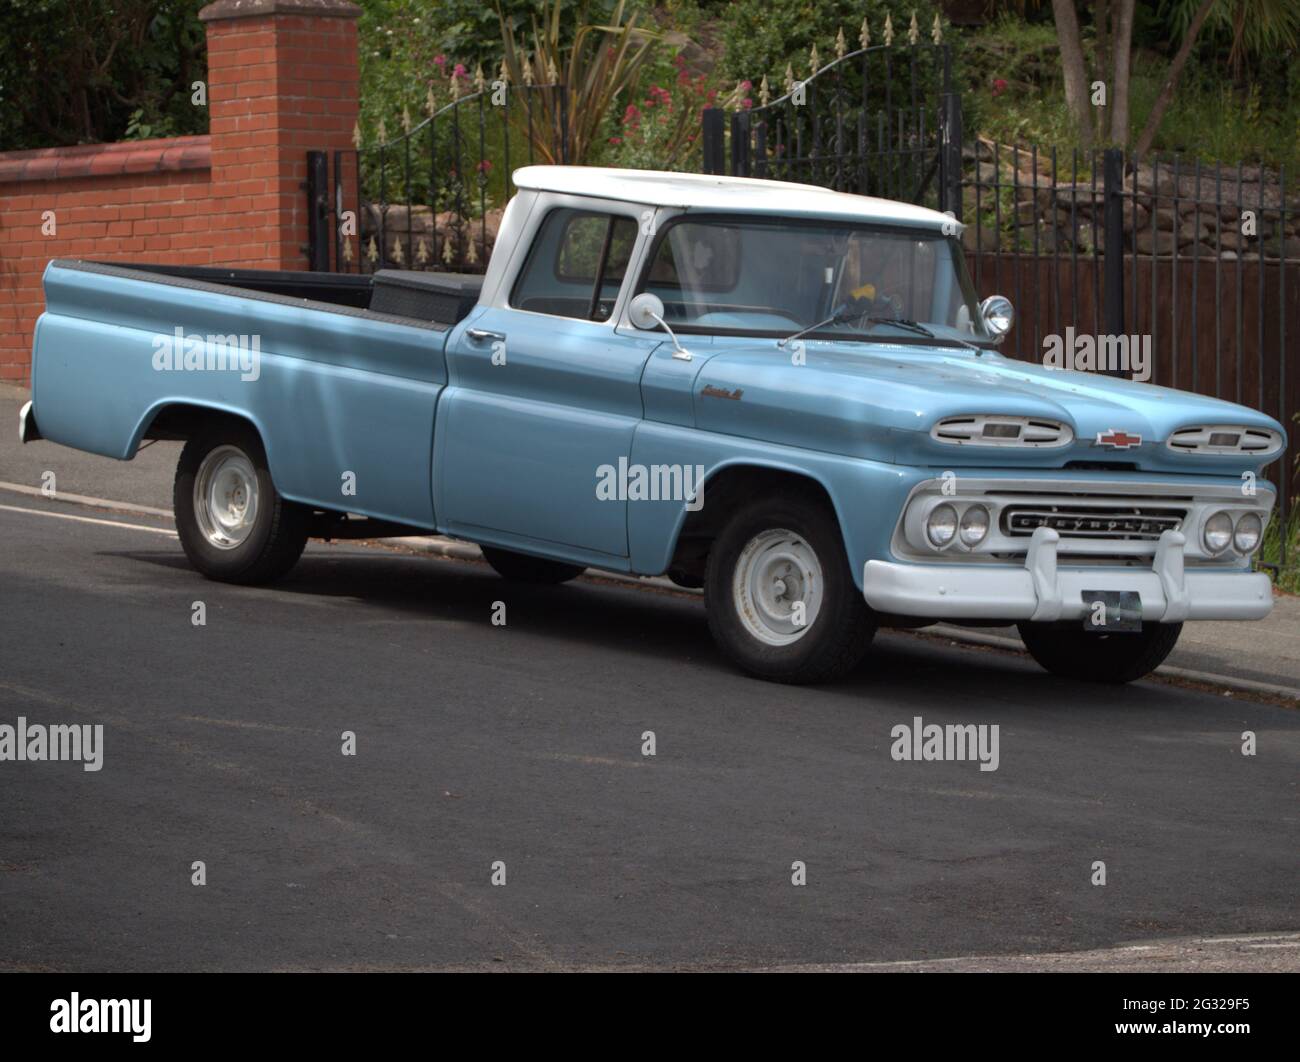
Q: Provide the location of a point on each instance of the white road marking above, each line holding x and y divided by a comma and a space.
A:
84, 499
90, 520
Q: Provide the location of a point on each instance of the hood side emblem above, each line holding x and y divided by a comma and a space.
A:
1119, 440
718, 392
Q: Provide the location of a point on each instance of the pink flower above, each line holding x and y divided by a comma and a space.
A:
616, 140
460, 71
999, 86
439, 61
484, 166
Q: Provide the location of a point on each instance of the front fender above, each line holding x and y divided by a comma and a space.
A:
867, 495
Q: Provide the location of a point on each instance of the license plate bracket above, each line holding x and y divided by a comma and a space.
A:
1111, 611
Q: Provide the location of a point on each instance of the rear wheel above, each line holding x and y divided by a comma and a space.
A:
780, 596
233, 524
1066, 649
521, 568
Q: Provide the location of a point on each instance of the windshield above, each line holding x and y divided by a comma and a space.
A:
779, 277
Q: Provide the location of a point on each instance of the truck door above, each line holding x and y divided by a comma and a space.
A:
542, 394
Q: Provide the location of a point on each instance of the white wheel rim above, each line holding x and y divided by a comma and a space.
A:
776, 572
225, 497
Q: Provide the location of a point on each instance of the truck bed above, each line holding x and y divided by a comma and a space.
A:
344, 388
433, 298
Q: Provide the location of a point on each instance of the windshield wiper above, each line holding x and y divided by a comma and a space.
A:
840, 316
903, 322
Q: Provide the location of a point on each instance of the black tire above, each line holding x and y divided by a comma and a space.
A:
1066, 649
278, 533
837, 637
521, 568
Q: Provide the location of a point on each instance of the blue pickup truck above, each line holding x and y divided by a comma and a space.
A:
787, 396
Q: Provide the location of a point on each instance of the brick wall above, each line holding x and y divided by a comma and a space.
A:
282, 80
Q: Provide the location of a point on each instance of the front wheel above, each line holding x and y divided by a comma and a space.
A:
780, 596
1066, 649
233, 524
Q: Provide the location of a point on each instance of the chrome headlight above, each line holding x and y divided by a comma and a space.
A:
974, 525
1216, 535
1250, 529
941, 525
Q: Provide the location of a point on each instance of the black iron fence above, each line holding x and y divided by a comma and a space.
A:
432, 196
879, 121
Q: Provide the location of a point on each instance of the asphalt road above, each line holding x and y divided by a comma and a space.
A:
522, 744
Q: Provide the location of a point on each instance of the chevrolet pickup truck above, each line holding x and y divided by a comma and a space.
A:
784, 395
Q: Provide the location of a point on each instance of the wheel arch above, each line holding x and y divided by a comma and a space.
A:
725, 485
184, 419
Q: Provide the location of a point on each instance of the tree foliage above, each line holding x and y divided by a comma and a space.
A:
90, 71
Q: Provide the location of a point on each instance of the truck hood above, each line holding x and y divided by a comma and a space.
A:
881, 401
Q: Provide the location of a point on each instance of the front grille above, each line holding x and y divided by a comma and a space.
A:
1117, 522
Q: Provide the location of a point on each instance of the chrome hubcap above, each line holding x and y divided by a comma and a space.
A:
777, 588
225, 497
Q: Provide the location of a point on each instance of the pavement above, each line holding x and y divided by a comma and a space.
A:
520, 750
1261, 658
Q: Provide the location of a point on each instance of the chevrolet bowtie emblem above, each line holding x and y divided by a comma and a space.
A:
1120, 440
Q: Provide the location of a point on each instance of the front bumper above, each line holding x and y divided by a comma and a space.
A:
1042, 591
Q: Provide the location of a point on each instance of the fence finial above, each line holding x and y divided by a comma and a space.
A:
447, 255
504, 72
347, 249
382, 132
429, 104
406, 119
865, 35
421, 251
841, 47
889, 31
813, 60
480, 82
528, 70
471, 255
356, 134
398, 256
372, 252
913, 32
789, 78
764, 93
937, 31
552, 74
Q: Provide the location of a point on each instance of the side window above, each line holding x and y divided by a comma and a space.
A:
576, 264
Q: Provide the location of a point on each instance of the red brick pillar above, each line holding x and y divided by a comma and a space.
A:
282, 81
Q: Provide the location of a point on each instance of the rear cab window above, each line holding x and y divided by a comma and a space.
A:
576, 264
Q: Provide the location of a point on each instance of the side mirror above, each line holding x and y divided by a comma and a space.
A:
646, 312
999, 315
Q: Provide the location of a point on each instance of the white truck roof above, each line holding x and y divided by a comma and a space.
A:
697, 191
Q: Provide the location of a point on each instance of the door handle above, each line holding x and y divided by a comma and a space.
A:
482, 335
